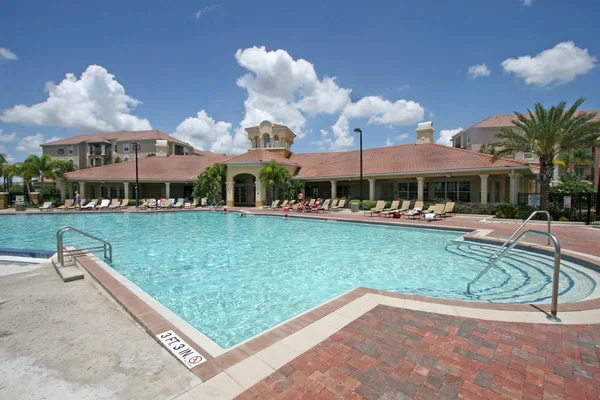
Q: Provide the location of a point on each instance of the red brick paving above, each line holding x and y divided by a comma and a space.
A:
392, 353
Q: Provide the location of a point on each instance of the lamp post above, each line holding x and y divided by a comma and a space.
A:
136, 146
359, 131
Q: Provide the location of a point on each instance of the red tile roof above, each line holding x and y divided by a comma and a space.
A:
404, 158
505, 120
118, 136
171, 168
259, 155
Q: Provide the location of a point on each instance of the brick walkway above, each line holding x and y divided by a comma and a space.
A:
392, 353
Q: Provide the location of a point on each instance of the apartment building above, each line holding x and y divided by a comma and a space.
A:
484, 132
97, 149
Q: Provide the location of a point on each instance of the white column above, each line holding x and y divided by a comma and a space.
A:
103, 149
371, 189
420, 188
82, 190
126, 190
333, 189
502, 193
63, 189
258, 194
484, 188
229, 193
167, 190
493, 193
514, 188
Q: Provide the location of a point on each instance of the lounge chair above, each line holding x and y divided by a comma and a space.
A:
91, 205
151, 203
449, 209
333, 203
324, 207
283, 204
430, 209
104, 204
416, 211
114, 204
393, 206
124, 203
67, 206
179, 203
143, 204
47, 206
438, 212
377, 209
273, 205
405, 206
340, 205
193, 204
166, 203
204, 202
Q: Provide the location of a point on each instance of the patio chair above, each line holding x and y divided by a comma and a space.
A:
438, 213
144, 203
449, 209
166, 203
194, 204
179, 203
204, 202
91, 205
47, 206
283, 204
104, 204
416, 211
324, 207
114, 204
377, 209
151, 203
273, 205
124, 203
68, 205
393, 206
340, 205
405, 206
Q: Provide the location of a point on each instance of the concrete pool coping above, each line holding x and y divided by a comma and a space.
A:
294, 333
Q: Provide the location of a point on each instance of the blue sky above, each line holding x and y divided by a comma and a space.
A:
178, 67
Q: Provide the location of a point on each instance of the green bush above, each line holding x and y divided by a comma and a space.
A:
563, 218
464, 208
366, 205
131, 202
524, 211
508, 210
500, 214
16, 189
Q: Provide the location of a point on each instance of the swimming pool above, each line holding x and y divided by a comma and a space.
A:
233, 277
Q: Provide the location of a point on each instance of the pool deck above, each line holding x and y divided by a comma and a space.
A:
373, 344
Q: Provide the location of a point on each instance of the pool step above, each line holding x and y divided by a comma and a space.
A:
70, 272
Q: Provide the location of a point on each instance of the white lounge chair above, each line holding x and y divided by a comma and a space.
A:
47, 206
104, 204
90, 206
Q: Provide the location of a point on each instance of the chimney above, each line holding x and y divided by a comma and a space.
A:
425, 132
162, 148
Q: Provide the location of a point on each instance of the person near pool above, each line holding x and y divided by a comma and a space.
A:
77, 200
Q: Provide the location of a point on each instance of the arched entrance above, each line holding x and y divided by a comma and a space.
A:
244, 190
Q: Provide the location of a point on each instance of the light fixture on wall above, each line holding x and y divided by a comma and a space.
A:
448, 175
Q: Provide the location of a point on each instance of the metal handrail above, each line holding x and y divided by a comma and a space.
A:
557, 252
521, 227
60, 250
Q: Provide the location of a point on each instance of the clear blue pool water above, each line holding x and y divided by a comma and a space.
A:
233, 277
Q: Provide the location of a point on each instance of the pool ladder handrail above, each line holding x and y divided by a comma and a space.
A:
61, 251
557, 252
533, 214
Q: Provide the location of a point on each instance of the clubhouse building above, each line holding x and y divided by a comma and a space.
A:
168, 168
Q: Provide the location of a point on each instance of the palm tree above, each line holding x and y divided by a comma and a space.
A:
39, 167
575, 158
7, 171
3, 159
59, 168
293, 187
210, 181
547, 133
272, 175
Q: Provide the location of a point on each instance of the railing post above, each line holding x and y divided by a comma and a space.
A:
554, 304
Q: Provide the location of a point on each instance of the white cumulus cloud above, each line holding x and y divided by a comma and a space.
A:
446, 135
7, 55
558, 65
31, 144
203, 11
478, 71
7, 137
94, 102
204, 133
389, 142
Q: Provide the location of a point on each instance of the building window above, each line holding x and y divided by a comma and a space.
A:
115, 148
256, 142
104, 192
113, 192
469, 144
267, 140
408, 190
455, 191
126, 147
61, 150
70, 149
186, 151
343, 191
275, 141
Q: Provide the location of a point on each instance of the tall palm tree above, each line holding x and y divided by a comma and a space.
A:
7, 171
210, 181
547, 133
272, 175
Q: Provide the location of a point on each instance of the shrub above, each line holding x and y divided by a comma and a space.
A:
500, 214
484, 209
563, 218
16, 189
366, 205
131, 202
50, 193
508, 210
524, 211
464, 208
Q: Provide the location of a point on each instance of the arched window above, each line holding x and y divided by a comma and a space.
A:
267, 140
275, 141
256, 142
